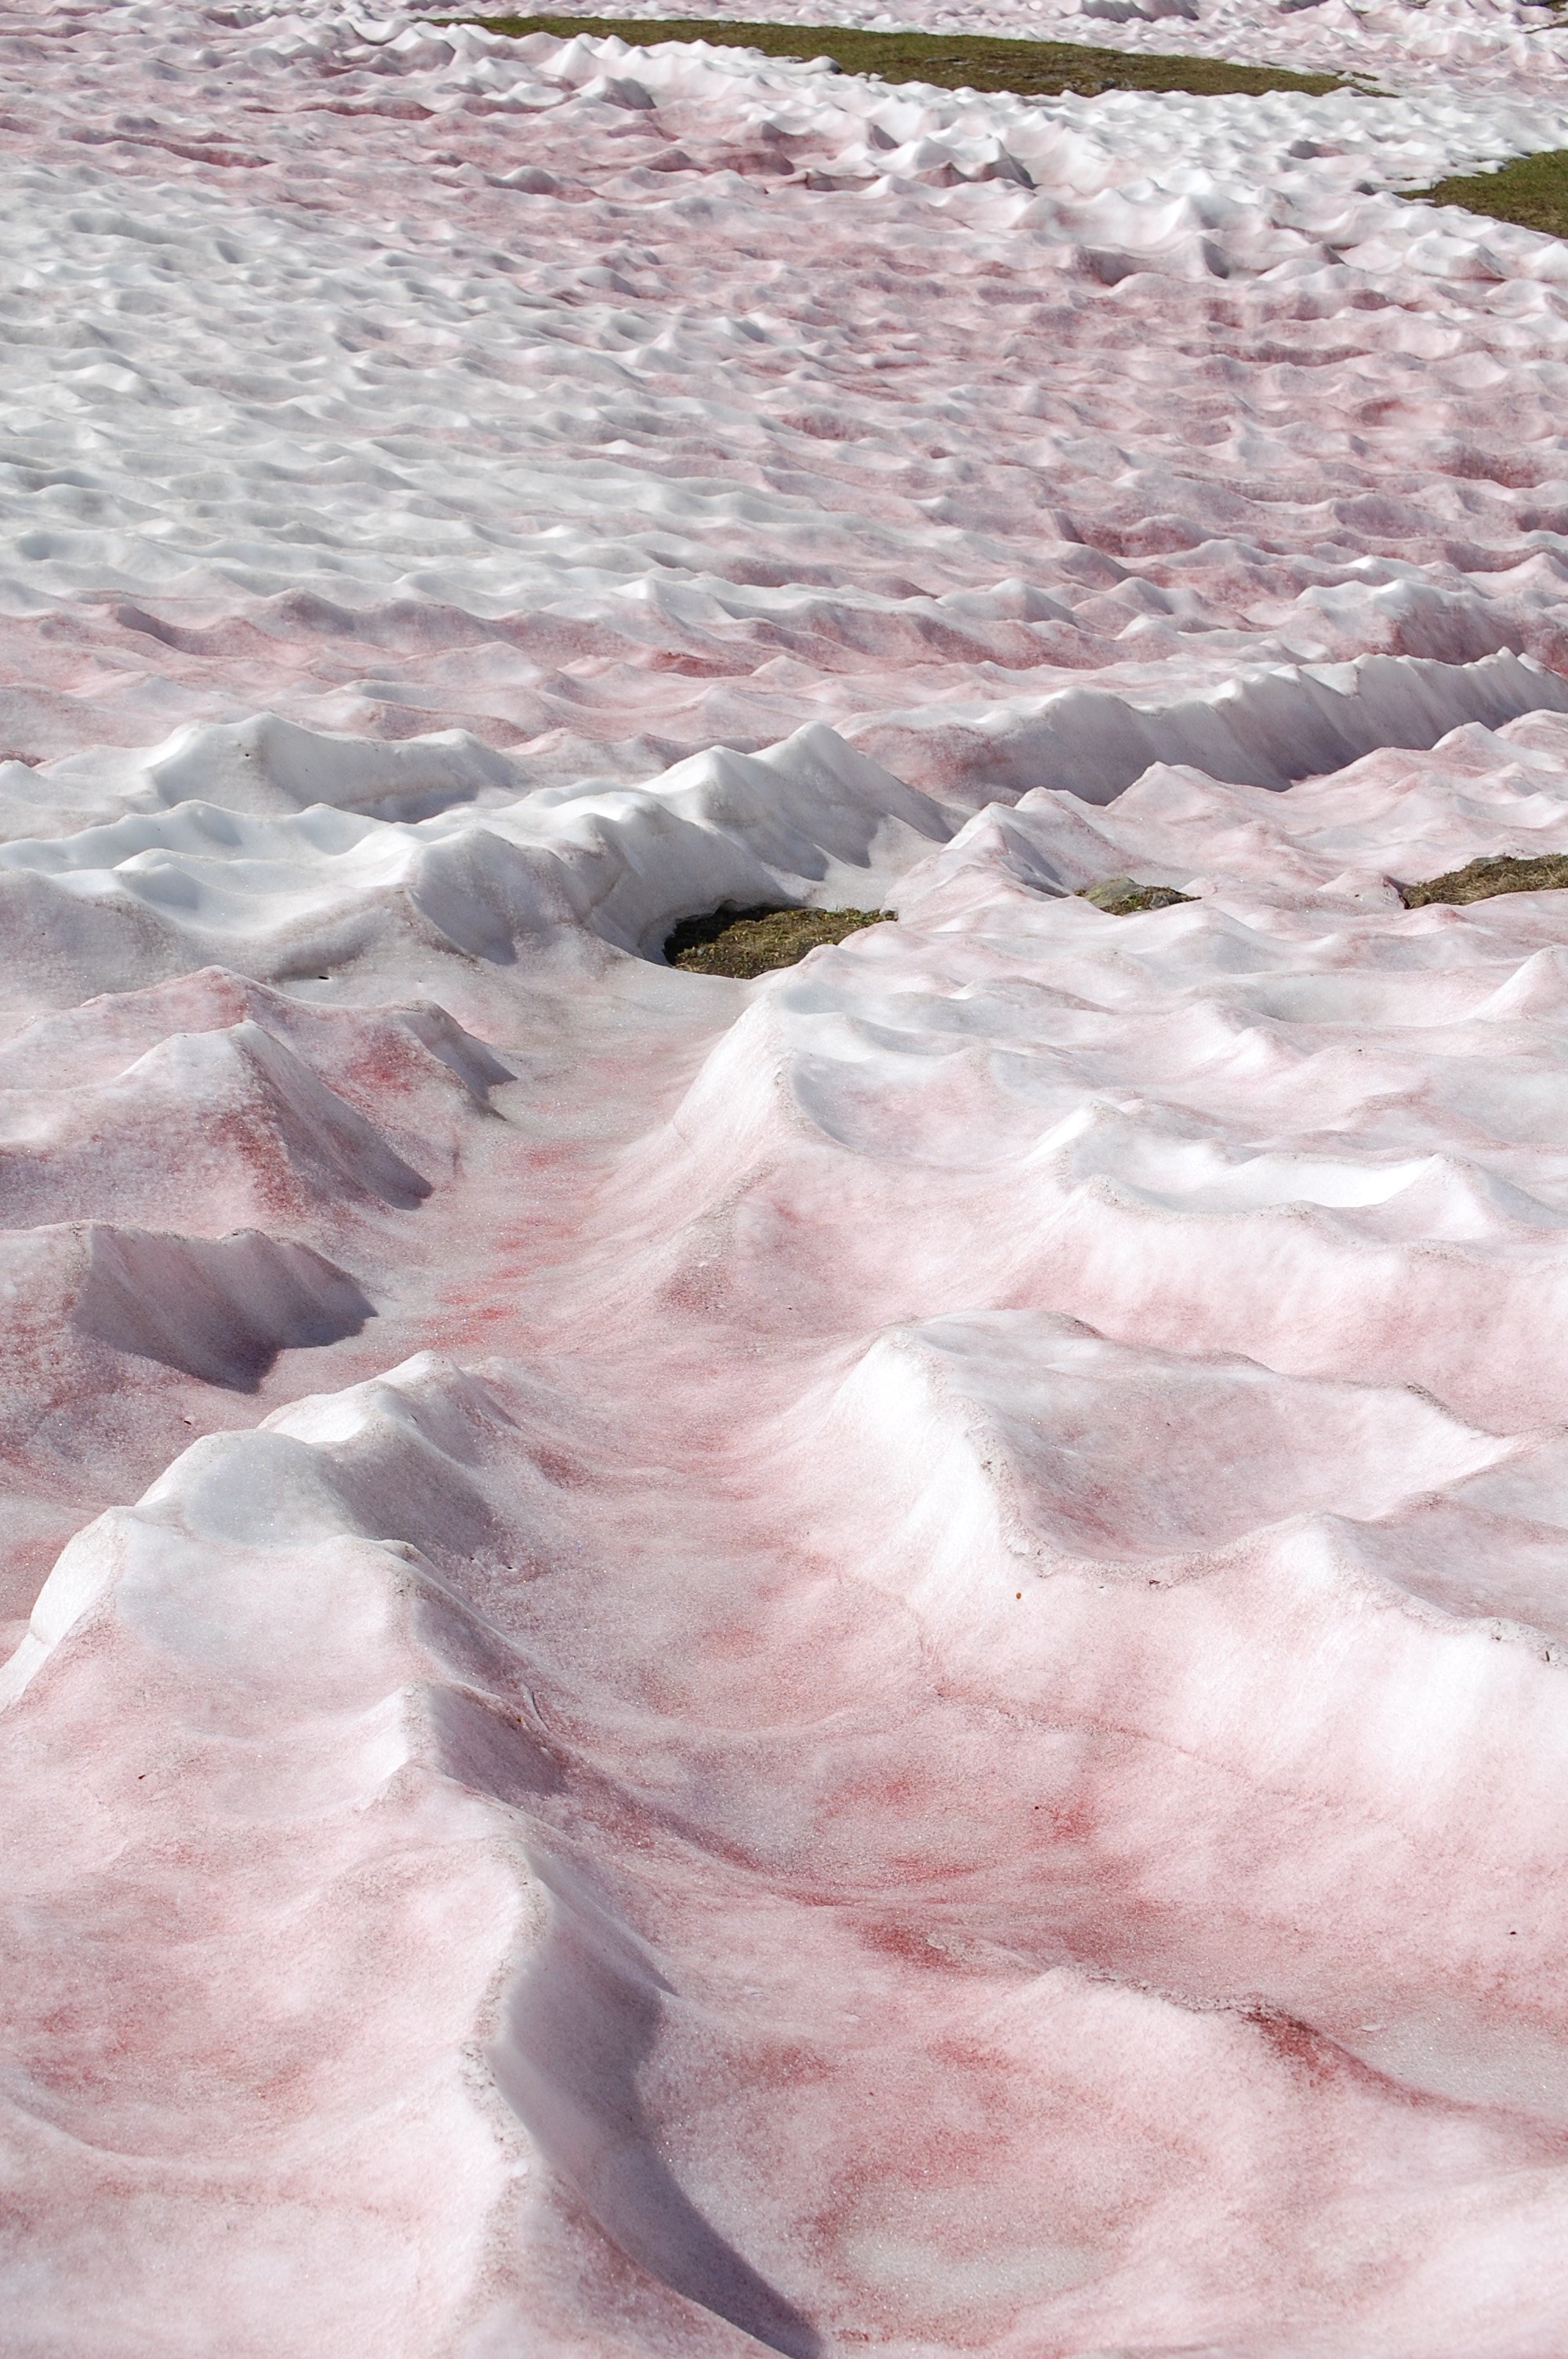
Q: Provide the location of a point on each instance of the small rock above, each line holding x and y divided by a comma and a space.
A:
1123, 897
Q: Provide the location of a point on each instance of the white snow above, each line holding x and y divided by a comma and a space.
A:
871, 1661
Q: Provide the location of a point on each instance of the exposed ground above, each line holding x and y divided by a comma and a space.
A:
749, 943
1481, 880
1530, 189
1123, 897
950, 61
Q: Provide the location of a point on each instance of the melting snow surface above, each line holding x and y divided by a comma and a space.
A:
873, 1662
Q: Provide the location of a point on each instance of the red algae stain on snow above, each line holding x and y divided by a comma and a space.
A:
870, 1660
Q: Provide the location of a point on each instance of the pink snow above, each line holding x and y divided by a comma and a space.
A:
869, 1662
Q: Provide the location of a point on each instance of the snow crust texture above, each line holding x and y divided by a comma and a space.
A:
866, 1662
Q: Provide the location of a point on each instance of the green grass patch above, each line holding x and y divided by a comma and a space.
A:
1531, 190
747, 943
951, 60
1481, 880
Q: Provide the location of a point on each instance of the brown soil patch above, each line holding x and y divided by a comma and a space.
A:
747, 943
1480, 880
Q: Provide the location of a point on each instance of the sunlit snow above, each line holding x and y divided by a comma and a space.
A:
869, 1662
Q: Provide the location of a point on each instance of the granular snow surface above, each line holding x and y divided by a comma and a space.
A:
866, 1662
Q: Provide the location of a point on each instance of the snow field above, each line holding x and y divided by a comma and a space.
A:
870, 1660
